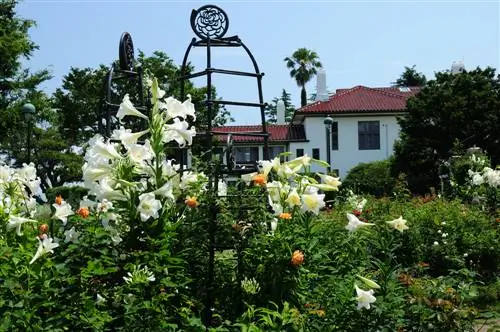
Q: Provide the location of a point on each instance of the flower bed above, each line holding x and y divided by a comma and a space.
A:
135, 253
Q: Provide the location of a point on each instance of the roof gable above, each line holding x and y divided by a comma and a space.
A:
277, 133
362, 99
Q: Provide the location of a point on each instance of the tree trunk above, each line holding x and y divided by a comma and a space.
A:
303, 96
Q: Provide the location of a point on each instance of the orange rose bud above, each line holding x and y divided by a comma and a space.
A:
59, 200
285, 215
259, 179
44, 228
297, 258
83, 212
191, 202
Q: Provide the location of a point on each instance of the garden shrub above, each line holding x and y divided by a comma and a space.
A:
372, 178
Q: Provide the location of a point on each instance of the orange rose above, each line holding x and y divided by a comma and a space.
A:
297, 258
44, 228
59, 200
191, 202
83, 212
259, 179
285, 215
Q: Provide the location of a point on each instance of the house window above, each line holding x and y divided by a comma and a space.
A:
315, 154
274, 151
335, 135
299, 152
247, 154
369, 135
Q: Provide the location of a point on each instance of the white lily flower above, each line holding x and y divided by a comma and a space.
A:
128, 109
63, 211
45, 246
126, 136
177, 109
166, 190
274, 190
398, 224
330, 181
139, 153
265, 166
27, 172
16, 222
274, 225
222, 188
148, 206
179, 132
293, 198
71, 235
354, 223
105, 149
312, 202
105, 191
5, 173
247, 178
364, 298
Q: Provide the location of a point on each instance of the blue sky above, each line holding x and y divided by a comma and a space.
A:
359, 42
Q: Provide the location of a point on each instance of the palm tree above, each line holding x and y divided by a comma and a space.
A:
303, 65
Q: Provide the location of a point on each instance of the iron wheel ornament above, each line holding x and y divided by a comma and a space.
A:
209, 22
126, 52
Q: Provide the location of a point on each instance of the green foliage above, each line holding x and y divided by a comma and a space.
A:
17, 85
303, 65
460, 107
372, 178
410, 77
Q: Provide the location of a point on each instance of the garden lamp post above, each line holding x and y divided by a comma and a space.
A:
328, 127
28, 112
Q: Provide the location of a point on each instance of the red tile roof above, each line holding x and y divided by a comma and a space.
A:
362, 99
277, 133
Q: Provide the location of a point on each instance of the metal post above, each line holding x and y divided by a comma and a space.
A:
28, 112
328, 125
328, 156
29, 141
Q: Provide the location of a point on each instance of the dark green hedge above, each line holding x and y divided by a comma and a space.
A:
372, 178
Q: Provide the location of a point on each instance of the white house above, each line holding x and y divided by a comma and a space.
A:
364, 127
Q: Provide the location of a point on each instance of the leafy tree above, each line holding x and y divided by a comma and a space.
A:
463, 108
410, 77
17, 85
303, 65
79, 99
289, 108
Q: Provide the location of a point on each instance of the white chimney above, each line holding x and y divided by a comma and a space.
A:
457, 67
321, 93
280, 112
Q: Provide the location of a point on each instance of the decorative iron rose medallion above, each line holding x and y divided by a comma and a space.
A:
209, 22
126, 52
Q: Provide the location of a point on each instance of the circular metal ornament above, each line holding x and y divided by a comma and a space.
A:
209, 22
126, 52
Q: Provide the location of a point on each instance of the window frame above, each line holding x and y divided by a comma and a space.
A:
369, 135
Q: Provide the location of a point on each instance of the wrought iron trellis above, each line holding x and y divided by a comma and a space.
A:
126, 69
210, 24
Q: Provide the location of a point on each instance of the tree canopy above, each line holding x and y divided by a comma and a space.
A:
303, 65
410, 77
461, 109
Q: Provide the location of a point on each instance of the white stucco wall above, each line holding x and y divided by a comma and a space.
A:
348, 154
